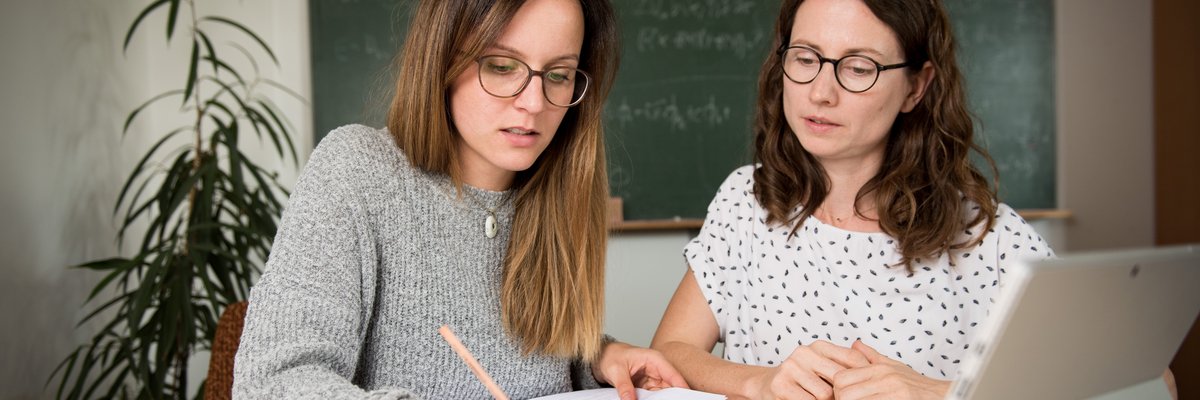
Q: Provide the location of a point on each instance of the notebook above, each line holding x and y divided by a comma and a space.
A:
611, 394
1083, 325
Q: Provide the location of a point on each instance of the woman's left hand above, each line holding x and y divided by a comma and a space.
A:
625, 367
885, 378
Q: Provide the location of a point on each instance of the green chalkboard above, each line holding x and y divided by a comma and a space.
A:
353, 42
1006, 51
678, 119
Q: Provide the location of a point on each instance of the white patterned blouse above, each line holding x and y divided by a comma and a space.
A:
770, 292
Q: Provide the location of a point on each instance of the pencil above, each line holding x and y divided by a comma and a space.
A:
471, 362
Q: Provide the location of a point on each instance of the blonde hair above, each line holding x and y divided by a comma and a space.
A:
552, 293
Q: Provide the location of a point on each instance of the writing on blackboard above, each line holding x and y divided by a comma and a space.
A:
652, 39
668, 110
346, 49
707, 9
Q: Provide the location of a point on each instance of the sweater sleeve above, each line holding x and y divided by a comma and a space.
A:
582, 377
306, 323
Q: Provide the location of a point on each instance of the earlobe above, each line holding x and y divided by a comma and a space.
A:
920, 84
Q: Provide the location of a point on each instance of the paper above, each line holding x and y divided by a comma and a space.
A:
611, 394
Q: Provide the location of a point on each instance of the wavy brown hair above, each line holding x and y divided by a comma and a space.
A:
552, 295
926, 174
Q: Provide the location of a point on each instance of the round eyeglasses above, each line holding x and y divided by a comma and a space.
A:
855, 73
503, 76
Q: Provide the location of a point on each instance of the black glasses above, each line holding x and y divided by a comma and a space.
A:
855, 73
503, 76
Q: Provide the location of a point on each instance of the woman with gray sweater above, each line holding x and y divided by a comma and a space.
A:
480, 206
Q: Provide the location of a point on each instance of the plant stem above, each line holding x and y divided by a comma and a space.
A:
198, 146
182, 350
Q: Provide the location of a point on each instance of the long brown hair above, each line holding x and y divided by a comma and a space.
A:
552, 295
926, 172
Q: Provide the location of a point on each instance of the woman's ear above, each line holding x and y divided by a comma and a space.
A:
920, 83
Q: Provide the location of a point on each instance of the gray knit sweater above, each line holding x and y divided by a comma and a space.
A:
372, 256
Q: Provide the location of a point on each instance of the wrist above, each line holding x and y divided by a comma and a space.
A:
759, 379
608, 347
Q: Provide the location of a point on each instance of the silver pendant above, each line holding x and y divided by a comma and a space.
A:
490, 227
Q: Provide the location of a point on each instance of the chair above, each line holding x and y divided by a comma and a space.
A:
225, 345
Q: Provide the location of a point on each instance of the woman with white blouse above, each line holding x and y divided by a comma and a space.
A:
857, 256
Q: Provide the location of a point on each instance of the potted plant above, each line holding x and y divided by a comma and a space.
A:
208, 211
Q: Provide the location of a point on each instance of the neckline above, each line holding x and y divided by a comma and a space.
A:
822, 224
487, 199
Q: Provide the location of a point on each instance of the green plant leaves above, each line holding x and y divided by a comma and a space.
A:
193, 66
138, 21
245, 30
206, 214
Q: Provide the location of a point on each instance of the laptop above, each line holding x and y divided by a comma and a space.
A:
1083, 325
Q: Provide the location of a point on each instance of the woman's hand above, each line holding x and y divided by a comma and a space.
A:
885, 378
625, 367
806, 373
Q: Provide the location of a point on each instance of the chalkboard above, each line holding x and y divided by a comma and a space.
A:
353, 43
1006, 52
678, 120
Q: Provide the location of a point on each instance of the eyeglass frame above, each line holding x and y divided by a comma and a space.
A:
879, 68
529, 78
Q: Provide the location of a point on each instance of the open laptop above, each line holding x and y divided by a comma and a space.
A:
1083, 325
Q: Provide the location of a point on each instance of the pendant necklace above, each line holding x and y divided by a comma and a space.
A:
491, 225
835, 220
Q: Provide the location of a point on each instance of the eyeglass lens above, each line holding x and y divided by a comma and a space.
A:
506, 77
855, 73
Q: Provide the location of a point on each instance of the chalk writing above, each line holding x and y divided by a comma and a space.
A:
707, 9
742, 44
668, 110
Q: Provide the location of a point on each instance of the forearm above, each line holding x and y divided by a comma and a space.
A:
709, 373
310, 382
285, 352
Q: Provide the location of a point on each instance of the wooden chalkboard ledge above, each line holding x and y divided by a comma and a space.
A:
692, 224
1033, 214
654, 225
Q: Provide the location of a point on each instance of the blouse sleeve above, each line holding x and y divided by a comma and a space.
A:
715, 256
1017, 240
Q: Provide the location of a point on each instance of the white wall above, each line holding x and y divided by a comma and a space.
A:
1105, 122
67, 89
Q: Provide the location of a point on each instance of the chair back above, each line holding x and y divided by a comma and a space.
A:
219, 385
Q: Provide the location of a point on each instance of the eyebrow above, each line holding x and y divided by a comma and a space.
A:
552, 61
854, 50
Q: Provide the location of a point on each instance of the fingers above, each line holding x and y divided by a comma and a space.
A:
889, 379
650, 370
812, 369
861, 383
869, 352
631, 367
800, 377
620, 379
809, 358
655, 376
851, 377
786, 386
847, 357
816, 387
